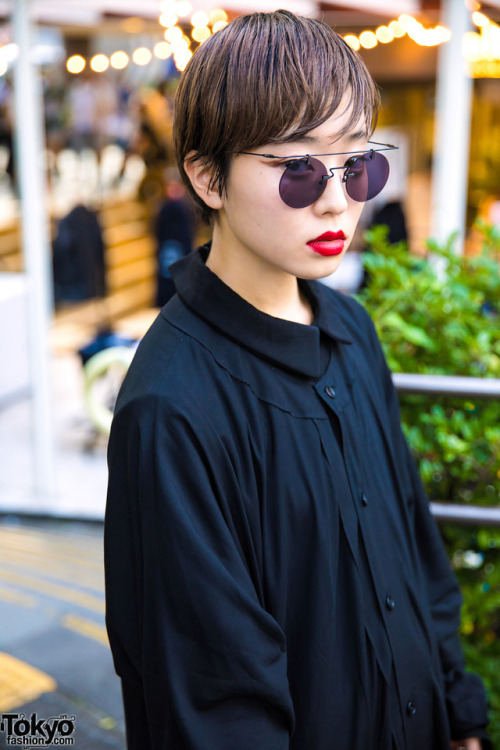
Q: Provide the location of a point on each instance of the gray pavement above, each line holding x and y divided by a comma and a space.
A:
55, 660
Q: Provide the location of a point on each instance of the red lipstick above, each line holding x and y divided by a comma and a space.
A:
328, 243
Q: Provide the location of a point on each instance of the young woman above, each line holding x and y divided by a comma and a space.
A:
274, 577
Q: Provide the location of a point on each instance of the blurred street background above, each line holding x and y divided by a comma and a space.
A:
92, 212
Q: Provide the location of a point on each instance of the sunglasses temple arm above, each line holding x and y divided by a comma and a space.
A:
388, 145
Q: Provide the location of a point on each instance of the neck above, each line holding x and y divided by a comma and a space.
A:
265, 287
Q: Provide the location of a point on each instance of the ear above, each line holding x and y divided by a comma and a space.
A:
200, 177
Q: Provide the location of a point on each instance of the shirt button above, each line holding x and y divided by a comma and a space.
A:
364, 499
330, 391
411, 709
390, 603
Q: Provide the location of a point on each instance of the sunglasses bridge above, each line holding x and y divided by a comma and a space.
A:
324, 178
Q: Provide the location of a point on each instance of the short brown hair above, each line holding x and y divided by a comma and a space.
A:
266, 77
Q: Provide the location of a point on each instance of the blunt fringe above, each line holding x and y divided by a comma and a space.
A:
265, 78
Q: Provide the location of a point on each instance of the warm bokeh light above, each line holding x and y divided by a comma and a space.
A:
368, 39
119, 60
472, 46
218, 26
200, 33
200, 18
132, 25
3, 66
162, 50
352, 41
142, 56
181, 45
75, 64
217, 15
173, 35
168, 18
409, 24
384, 34
99, 63
397, 29
486, 69
183, 8
480, 19
182, 58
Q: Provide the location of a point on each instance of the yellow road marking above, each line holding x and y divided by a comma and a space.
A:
20, 683
55, 570
89, 601
16, 597
87, 628
48, 551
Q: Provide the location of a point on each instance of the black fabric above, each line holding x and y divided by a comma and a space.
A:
173, 234
274, 578
78, 257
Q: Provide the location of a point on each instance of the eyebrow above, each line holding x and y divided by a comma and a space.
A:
359, 135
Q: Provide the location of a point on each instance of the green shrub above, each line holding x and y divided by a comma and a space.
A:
442, 317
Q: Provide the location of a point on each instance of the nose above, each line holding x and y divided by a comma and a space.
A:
334, 197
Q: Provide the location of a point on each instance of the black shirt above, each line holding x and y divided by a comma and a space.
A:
274, 576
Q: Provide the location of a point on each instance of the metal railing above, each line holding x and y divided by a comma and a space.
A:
448, 385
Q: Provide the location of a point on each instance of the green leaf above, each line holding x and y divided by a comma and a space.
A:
411, 333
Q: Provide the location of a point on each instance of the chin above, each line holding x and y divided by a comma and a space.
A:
322, 270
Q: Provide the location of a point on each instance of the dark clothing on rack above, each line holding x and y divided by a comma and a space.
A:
174, 239
78, 259
392, 215
275, 580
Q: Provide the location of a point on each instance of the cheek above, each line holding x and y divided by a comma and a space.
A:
354, 212
254, 197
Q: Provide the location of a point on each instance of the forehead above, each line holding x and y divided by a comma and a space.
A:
342, 126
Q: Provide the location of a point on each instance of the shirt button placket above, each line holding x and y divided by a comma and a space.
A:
411, 709
389, 603
330, 391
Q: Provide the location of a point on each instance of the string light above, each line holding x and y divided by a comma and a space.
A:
368, 39
183, 8
119, 60
142, 56
218, 26
397, 29
168, 18
99, 63
384, 34
75, 64
173, 34
162, 50
217, 15
481, 49
181, 58
175, 42
199, 19
201, 33
181, 45
479, 19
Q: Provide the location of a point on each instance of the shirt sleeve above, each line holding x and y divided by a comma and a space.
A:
464, 691
203, 664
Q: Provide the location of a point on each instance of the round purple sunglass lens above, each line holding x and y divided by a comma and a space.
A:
366, 176
302, 182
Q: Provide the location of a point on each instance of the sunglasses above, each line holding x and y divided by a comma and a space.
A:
305, 177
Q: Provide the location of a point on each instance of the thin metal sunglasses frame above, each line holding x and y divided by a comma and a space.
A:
386, 147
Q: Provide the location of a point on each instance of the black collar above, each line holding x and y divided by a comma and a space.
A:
292, 345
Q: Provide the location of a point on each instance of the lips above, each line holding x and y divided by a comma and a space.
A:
329, 237
328, 243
